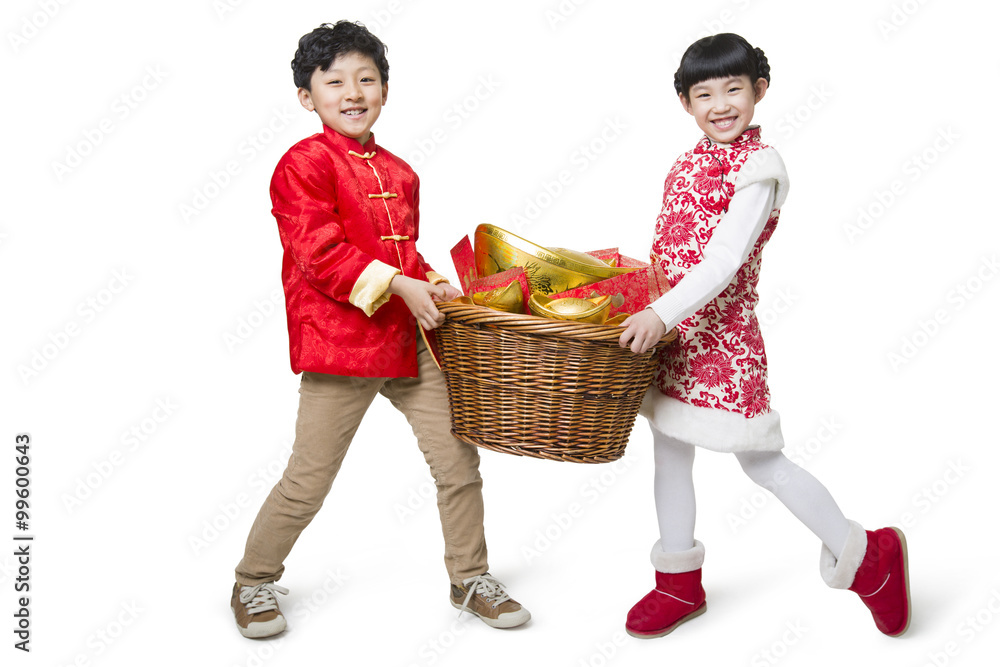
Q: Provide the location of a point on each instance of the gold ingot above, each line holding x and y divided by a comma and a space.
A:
549, 270
593, 311
618, 319
582, 258
509, 299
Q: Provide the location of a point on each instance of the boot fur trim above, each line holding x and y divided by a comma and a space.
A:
676, 562
839, 572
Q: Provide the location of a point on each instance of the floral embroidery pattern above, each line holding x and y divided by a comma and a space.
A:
712, 369
718, 360
678, 227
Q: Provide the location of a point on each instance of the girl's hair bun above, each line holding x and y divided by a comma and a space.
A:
763, 69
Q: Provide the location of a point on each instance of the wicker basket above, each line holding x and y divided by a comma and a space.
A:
549, 389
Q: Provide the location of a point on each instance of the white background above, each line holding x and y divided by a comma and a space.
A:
124, 314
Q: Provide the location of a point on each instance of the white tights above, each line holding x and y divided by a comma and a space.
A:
799, 491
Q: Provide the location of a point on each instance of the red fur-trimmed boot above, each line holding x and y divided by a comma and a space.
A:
873, 565
678, 595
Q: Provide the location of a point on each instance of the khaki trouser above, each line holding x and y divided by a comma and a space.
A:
330, 410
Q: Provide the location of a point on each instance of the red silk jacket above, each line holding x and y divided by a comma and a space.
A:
347, 216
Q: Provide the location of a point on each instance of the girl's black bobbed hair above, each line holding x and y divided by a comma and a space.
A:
718, 56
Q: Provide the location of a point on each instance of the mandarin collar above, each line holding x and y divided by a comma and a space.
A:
751, 134
343, 144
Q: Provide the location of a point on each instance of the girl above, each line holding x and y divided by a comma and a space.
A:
720, 206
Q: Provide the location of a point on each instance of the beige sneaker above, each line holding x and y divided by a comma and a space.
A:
485, 597
256, 609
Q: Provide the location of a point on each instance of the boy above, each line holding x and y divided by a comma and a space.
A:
354, 284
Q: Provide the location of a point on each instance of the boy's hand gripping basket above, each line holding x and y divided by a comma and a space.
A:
550, 389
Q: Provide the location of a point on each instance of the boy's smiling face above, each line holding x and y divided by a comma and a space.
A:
348, 97
723, 107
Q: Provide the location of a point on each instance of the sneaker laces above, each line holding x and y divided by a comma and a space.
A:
260, 598
487, 586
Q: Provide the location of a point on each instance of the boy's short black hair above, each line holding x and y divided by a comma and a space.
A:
718, 56
321, 47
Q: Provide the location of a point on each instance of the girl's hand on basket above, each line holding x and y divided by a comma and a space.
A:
450, 292
643, 329
419, 297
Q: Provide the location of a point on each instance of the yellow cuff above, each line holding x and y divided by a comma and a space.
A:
369, 291
433, 277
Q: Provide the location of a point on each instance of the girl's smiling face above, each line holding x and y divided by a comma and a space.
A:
723, 107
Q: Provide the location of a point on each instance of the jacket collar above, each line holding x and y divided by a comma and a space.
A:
750, 135
344, 145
